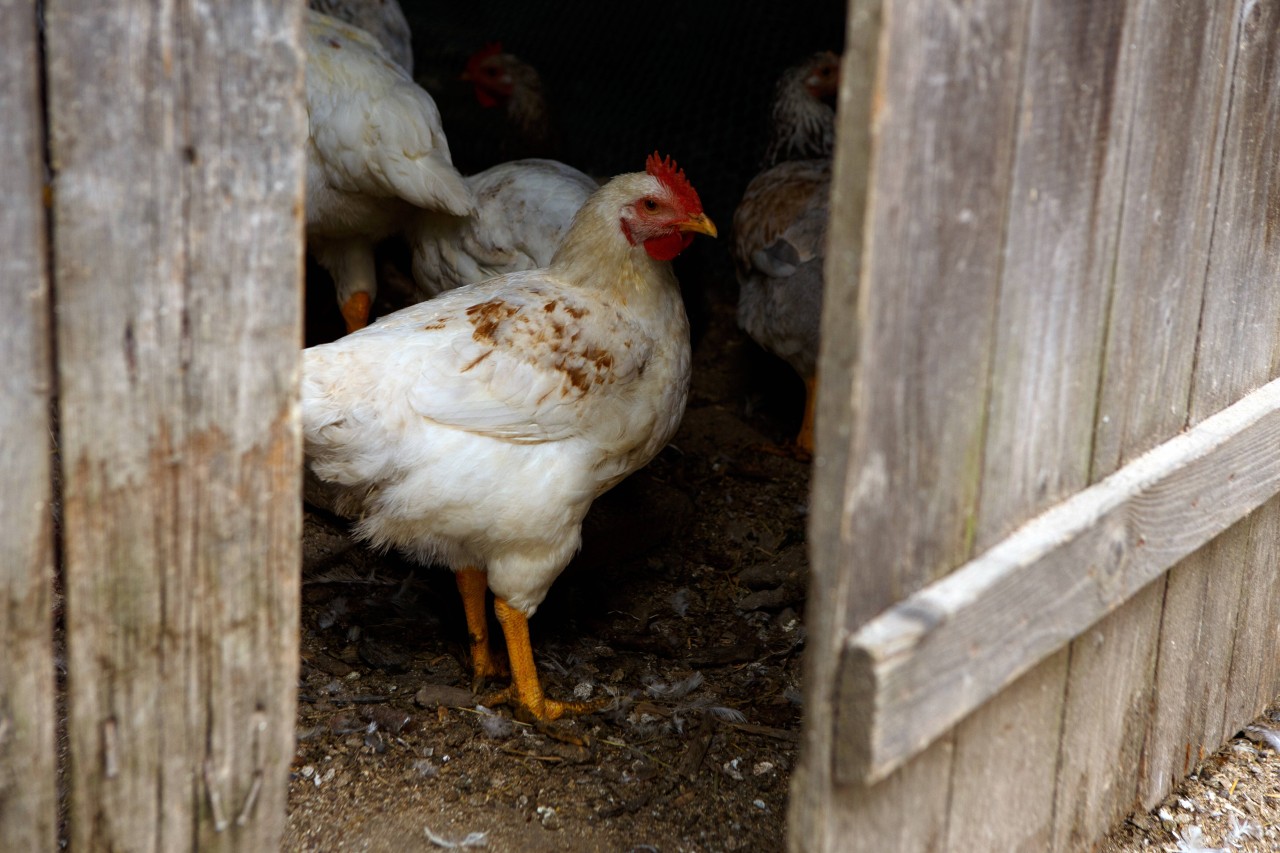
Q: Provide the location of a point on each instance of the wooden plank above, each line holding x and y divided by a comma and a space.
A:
1098, 765
1060, 249
1170, 192
1170, 187
928, 661
943, 131
175, 135
1253, 680
28, 804
814, 815
1251, 194
1044, 386
1202, 633
1006, 753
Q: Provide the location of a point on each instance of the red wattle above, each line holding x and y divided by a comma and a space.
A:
667, 246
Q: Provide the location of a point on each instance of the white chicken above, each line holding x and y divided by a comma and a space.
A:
523, 210
475, 429
382, 19
375, 152
780, 227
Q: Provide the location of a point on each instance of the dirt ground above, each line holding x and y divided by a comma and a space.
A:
687, 608
1231, 803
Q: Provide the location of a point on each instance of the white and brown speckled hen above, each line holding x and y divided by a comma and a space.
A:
523, 210
376, 151
475, 429
780, 227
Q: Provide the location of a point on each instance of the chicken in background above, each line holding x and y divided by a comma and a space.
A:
523, 210
475, 429
375, 153
802, 117
507, 115
780, 227
382, 19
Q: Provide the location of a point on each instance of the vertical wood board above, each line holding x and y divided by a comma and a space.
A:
813, 818
1058, 248
1169, 182
176, 139
943, 131
28, 803
1249, 211
1059, 252
1106, 714
1202, 632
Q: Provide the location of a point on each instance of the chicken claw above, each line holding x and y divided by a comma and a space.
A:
524, 694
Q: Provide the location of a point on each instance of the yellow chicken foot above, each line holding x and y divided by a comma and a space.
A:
355, 311
525, 693
472, 585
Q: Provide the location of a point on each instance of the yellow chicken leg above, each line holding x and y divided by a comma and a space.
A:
525, 693
472, 585
804, 440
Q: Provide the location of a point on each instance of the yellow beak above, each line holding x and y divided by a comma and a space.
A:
701, 224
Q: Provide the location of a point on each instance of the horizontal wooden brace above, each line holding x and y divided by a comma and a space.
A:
910, 674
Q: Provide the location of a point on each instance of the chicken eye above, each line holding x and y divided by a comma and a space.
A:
650, 205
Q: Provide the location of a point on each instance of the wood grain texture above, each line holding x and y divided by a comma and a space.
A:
1203, 632
1249, 221
1059, 247
28, 804
1181, 52
1254, 678
1170, 191
1104, 723
814, 817
944, 651
943, 130
176, 138
1004, 754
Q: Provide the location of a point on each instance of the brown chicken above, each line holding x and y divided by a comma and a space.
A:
475, 429
510, 116
780, 227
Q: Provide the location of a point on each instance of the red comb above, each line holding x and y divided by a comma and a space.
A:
672, 176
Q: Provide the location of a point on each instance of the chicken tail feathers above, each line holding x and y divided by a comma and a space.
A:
433, 183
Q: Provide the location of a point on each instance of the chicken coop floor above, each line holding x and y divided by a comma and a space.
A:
686, 605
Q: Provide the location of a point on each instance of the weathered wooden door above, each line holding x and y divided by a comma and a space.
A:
1053, 235
166, 330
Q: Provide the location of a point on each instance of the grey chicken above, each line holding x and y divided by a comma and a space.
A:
780, 227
